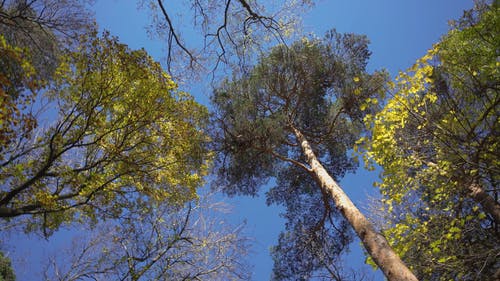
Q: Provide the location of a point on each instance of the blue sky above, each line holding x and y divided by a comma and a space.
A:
399, 31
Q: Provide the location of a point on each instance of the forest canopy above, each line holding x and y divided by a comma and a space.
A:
99, 139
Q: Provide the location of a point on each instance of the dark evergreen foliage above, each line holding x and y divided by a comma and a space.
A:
316, 86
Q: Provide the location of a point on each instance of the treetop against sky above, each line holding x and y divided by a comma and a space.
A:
287, 97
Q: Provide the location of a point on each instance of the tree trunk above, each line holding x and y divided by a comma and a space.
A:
478, 194
376, 244
489, 204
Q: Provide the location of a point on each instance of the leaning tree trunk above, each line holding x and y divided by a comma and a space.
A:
376, 244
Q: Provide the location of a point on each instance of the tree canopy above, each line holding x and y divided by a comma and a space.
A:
190, 242
6, 272
122, 136
311, 85
228, 32
96, 133
437, 140
32, 37
18, 85
44, 27
298, 109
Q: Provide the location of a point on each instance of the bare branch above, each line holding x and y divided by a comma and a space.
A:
228, 29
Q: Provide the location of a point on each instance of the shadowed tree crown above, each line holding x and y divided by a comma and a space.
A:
320, 88
316, 86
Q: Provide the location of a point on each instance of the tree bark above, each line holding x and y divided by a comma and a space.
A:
489, 204
375, 243
478, 194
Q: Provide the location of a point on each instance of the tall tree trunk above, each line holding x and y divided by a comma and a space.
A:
489, 204
375, 243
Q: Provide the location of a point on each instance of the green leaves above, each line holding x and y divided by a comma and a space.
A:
6, 272
18, 84
123, 133
433, 140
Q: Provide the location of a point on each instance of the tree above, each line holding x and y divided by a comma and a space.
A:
124, 137
228, 29
44, 27
187, 243
6, 272
314, 236
32, 36
17, 91
437, 141
300, 108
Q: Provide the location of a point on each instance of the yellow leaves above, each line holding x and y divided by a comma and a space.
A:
367, 103
355, 79
46, 199
426, 70
369, 260
171, 85
417, 138
124, 133
414, 90
410, 95
481, 216
372, 100
428, 80
446, 259
426, 57
431, 97
19, 84
63, 67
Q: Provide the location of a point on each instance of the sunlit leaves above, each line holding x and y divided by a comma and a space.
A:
433, 138
17, 86
124, 135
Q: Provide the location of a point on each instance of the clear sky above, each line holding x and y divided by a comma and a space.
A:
400, 31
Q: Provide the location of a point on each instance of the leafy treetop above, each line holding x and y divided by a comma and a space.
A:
437, 141
124, 137
314, 86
